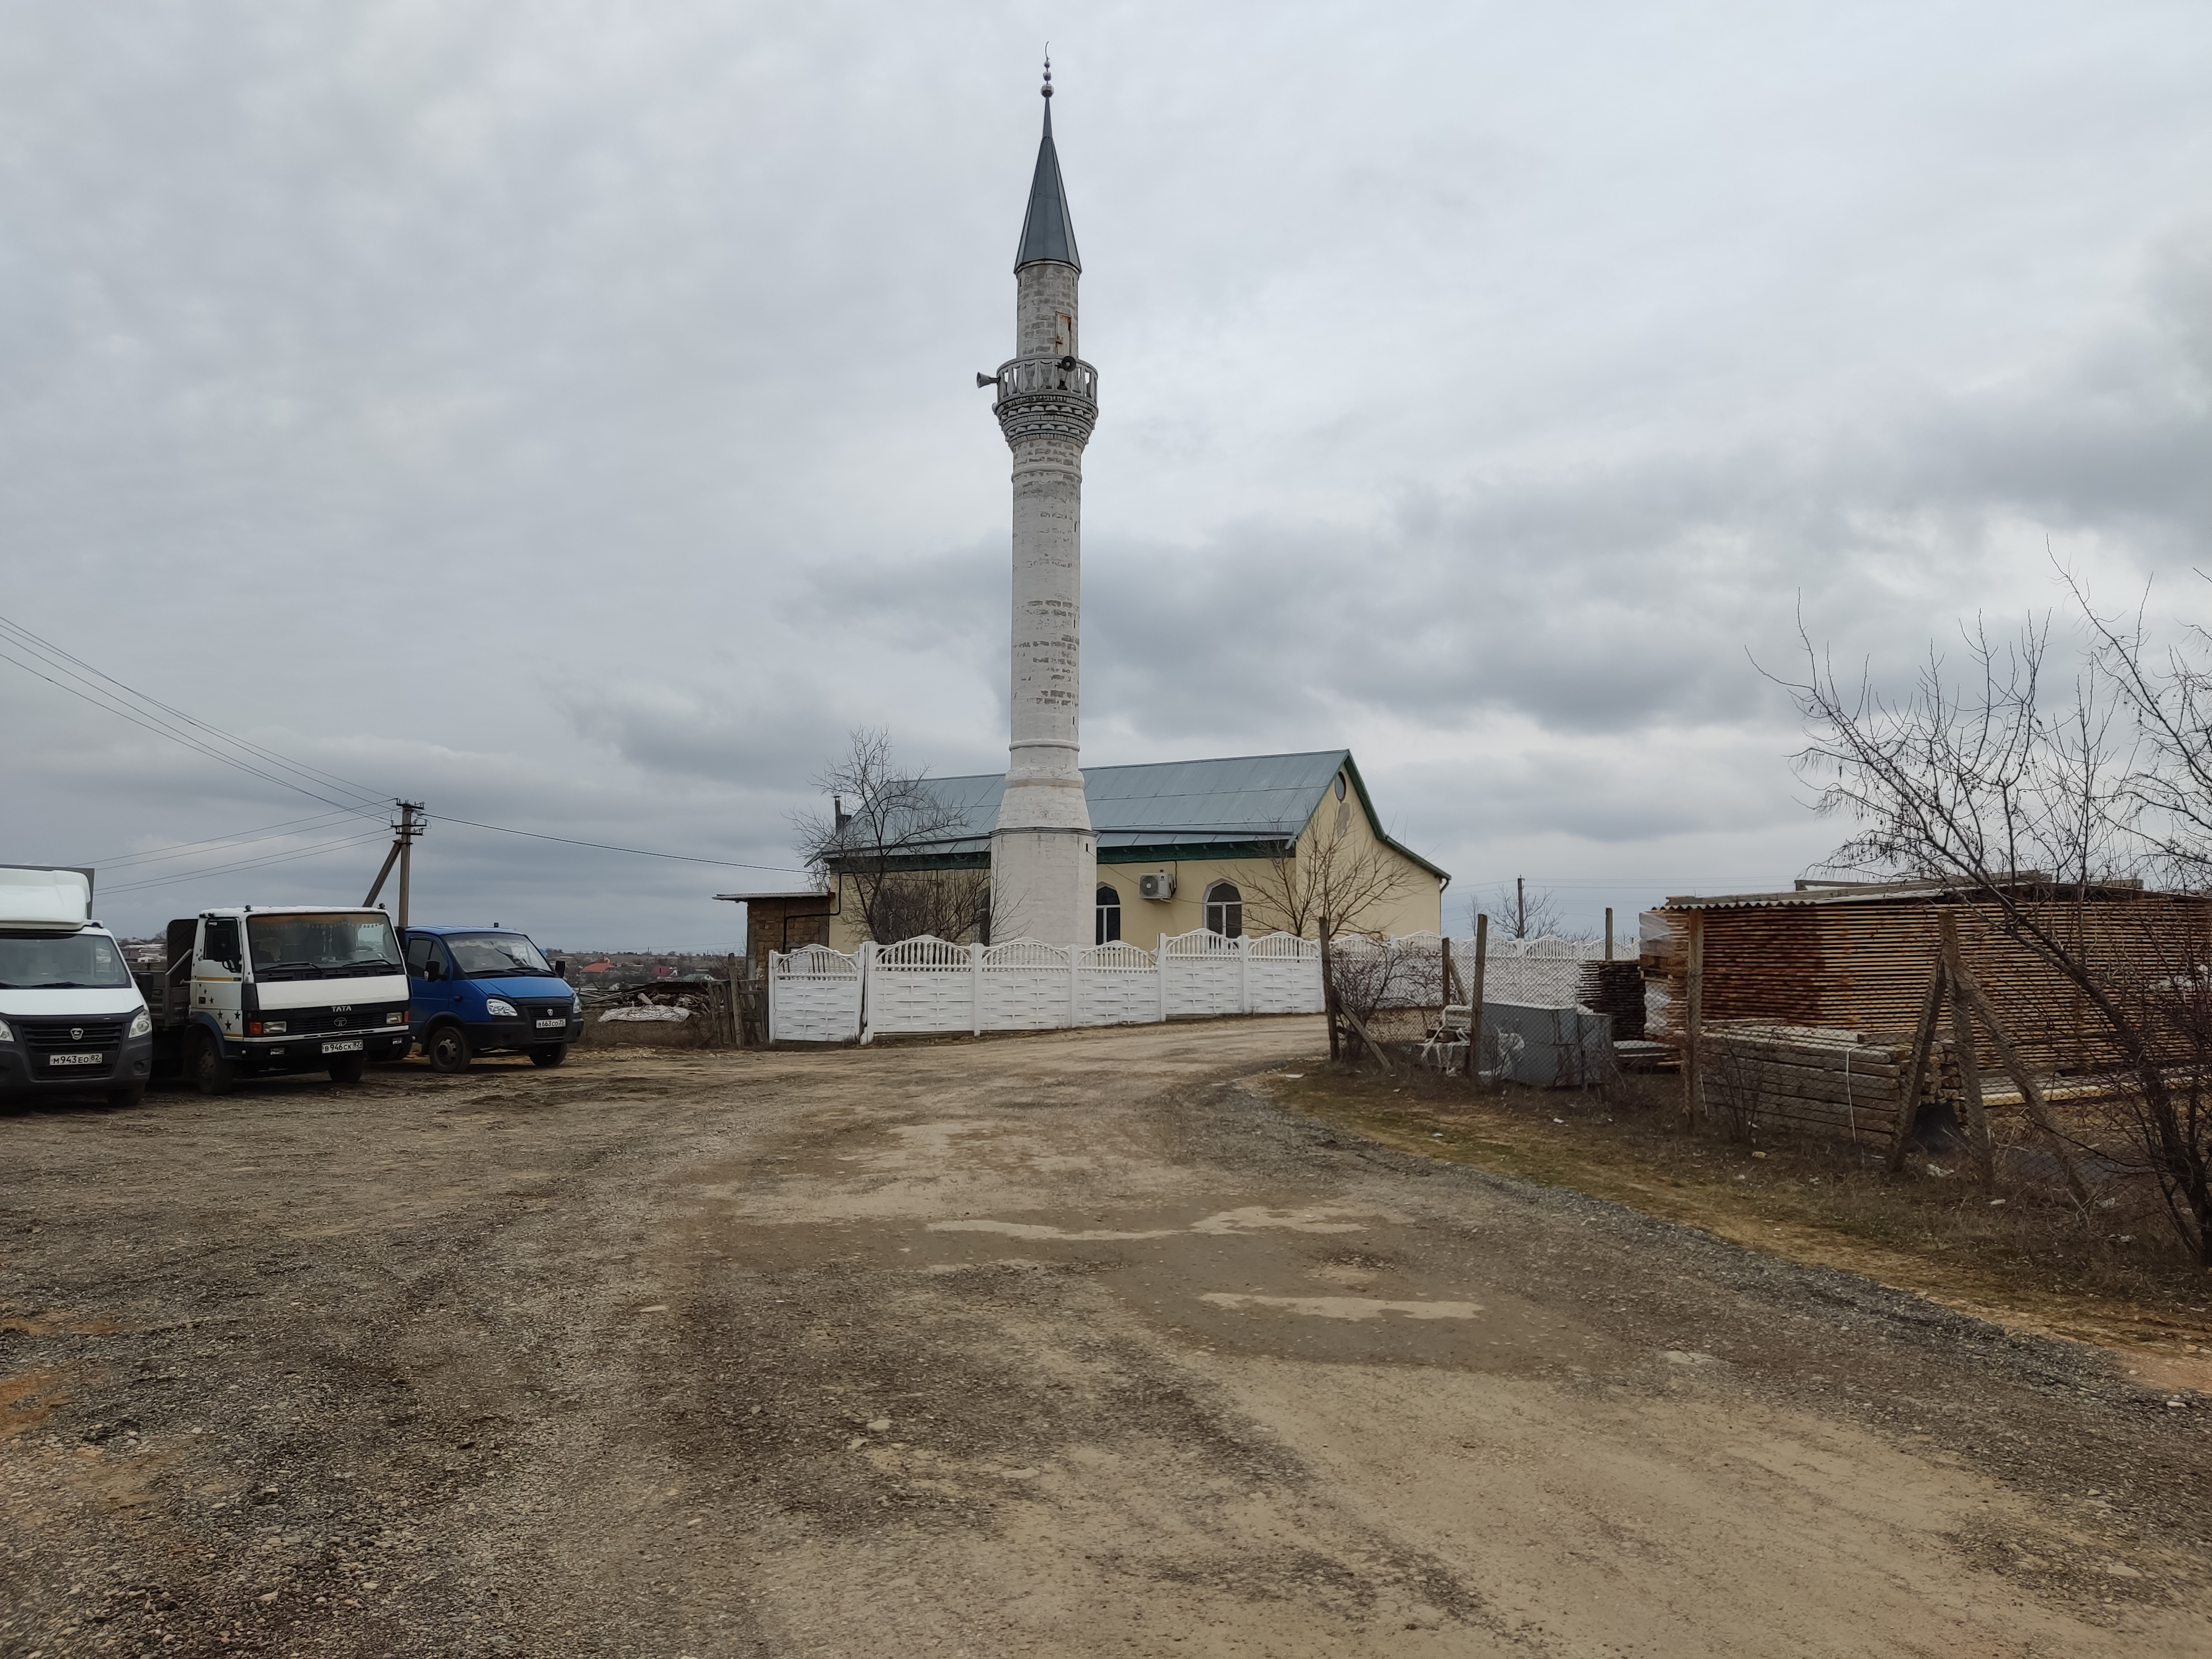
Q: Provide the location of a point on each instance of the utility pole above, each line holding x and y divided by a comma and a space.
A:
1519, 906
403, 846
407, 829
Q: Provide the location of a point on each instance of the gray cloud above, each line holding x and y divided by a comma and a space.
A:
565, 415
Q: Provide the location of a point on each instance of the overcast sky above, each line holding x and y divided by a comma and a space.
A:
565, 414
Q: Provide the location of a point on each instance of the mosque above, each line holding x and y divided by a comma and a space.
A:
1135, 853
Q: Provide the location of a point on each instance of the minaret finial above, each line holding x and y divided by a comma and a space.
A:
1048, 68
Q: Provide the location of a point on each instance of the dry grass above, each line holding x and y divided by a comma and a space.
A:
2031, 1261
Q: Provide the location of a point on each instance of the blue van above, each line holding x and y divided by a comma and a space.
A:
476, 991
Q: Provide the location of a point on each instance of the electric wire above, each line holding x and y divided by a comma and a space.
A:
373, 835
56, 657
110, 706
216, 843
149, 717
605, 847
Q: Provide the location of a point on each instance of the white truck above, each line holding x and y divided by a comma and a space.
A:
251, 990
72, 1022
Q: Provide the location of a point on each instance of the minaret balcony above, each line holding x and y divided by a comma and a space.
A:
1046, 397
1064, 376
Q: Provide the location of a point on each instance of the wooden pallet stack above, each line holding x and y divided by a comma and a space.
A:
1806, 1079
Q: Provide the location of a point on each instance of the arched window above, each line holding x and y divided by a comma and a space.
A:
1109, 914
1225, 910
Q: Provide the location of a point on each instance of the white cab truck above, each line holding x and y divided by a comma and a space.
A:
258, 989
72, 1022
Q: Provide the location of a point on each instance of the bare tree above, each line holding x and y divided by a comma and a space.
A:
1324, 876
883, 819
1516, 913
2028, 802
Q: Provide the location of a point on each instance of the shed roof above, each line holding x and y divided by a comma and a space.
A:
2026, 883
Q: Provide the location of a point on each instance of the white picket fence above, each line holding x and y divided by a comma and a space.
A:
819, 995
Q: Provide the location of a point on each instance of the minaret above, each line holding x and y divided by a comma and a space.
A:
1044, 857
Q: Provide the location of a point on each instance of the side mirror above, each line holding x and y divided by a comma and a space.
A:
433, 968
560, 970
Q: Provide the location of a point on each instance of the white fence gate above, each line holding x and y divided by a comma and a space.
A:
925, 984
813, 995
1282, 975
1117, 985
1202, 974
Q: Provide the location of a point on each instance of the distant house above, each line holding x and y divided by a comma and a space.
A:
1215, 835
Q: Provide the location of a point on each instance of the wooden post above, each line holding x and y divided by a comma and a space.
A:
1608, 932
1369, 1042
1444, 947
2031, 1092
1693, 1015
1962, 1038
1474, 1000
730, 992
1923, 1051
1328, 995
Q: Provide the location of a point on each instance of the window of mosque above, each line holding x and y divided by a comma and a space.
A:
1109, 914
1225, 910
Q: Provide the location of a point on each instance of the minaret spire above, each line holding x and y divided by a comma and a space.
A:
1044, 856
1047, 232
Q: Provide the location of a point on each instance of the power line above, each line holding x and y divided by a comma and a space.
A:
110, 704
151, 715
604, 846
56, 657
214, 843
248, 864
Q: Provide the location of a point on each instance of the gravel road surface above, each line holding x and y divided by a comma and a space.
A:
1071, 1345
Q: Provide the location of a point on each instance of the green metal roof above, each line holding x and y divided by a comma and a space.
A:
1238, 807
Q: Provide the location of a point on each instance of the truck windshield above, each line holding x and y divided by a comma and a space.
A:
340, 944
495, 956
61, 962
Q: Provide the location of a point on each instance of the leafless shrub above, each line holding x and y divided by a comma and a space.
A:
1394, 990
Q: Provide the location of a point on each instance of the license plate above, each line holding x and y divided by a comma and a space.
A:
551, 1025
344, 1046
75, 1060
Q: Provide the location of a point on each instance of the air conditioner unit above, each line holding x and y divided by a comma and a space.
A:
1158, 886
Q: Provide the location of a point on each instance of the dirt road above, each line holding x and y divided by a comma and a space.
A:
1065, 1345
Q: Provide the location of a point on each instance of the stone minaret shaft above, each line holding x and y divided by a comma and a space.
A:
1043, 854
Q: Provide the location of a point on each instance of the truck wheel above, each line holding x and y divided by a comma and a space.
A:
348, 1068
548, 1053
124, 1099
213, 1073
449, 1049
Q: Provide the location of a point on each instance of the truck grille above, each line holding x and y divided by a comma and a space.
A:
306, 1022
45, 1035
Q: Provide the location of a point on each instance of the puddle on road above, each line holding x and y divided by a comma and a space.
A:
1345, 1307
1223, 1224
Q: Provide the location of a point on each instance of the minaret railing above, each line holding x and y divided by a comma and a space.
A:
1072, 377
